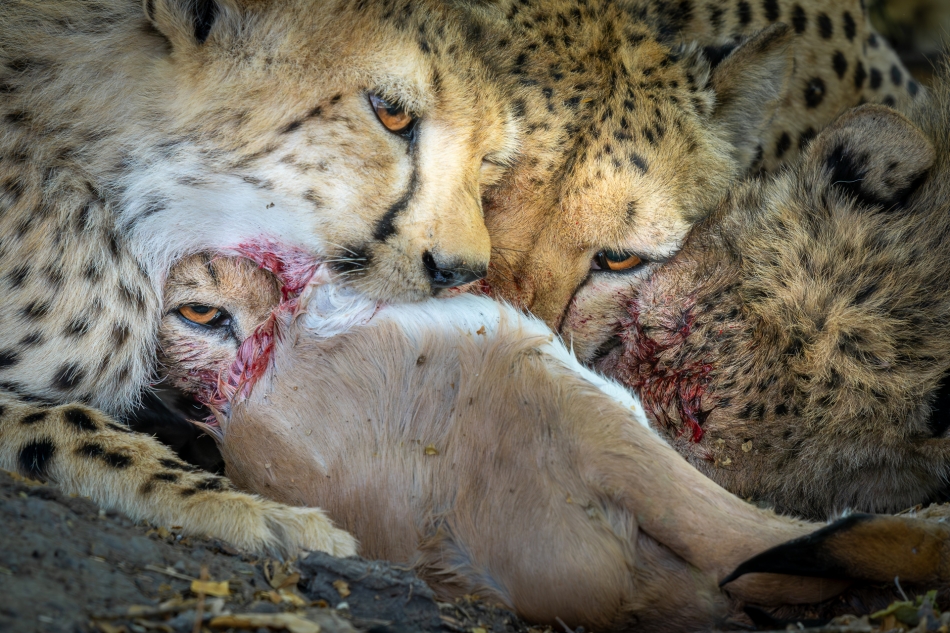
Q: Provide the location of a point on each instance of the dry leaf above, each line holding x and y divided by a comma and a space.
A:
342, 588
481, 330
431, 450
747, 446
277, 621
211, 588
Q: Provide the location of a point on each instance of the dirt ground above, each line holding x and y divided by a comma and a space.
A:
66, 566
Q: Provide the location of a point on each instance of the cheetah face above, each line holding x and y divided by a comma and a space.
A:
642, 146
211, 305
325, 127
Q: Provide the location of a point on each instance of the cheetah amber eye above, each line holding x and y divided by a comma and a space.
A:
204, 315
615, 261
393, 117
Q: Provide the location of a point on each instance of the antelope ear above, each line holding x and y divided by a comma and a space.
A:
748, 82
873, 154
862, 547
184, 22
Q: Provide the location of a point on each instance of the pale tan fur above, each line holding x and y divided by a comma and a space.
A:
482, 459
795, 348
134, 133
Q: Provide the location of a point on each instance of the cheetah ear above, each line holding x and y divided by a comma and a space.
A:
873, 154
184, 22
748, 83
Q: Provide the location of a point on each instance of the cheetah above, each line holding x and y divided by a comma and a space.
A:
135, 133
383, 416
795, 350
639, 115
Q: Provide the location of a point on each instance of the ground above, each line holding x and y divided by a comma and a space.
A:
66, 566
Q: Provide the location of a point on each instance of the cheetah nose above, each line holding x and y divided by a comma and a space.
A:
451, 274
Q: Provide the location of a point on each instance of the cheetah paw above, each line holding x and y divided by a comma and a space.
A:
308, 529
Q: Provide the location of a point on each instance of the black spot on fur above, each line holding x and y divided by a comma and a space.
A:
69, 376
784, 142
205, 13
97, 451
805, 137
77, 328
8, 358
744, 12
290, 127
876, 78
850, 28
33, 418
715, 17
175, 464
913, 88
814, 92
212, 483
799, 19
18, 275
31, 339
860, 74
771, 10
872, 40
889, 101
840, 63
80, 419
639, 162
35, 457
897, 77
825, 28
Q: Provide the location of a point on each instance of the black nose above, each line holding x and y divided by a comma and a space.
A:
450, 275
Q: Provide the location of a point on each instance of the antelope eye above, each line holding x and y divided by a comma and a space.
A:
393, 117
207, 316
615, 261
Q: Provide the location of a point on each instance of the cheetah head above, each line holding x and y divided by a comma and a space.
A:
627, 145
359, 134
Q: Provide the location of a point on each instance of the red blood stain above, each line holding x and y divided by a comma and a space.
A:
294, 268
646, 366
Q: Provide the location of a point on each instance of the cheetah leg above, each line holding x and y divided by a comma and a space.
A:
84, 452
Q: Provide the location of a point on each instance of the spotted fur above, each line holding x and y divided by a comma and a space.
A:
132, 134
796, 349
638, 115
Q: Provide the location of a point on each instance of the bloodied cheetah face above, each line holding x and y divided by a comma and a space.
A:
357, 133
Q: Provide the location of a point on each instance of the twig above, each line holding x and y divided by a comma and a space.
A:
200, 610
897, 581
169, 572
566, 627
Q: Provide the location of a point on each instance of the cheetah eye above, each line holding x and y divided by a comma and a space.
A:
206, 316
615, 261
393, 117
